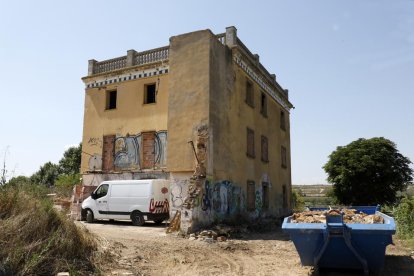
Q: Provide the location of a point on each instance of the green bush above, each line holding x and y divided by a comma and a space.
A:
404, 217
64, 184
298, 204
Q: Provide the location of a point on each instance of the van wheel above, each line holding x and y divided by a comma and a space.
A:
89, 216
137, 218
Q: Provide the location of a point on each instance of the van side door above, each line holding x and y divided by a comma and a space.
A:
102, 200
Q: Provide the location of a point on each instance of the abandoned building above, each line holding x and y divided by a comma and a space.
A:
202, 112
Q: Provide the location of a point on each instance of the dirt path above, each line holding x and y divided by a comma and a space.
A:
148, 250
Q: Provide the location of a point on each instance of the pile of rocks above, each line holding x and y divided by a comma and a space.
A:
208, 236
349, 216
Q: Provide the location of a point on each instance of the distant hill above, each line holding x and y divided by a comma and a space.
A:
318, 194
315, 195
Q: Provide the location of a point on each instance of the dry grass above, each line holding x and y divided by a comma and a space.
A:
35, 239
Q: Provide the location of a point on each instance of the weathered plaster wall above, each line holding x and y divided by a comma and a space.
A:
229, 118
204, 70
188, 103
239, 165
130, 118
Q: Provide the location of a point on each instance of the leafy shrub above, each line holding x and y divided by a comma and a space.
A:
298, 203
64, 184
404, 216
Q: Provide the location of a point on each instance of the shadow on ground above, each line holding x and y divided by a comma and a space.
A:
148, 224
393, 265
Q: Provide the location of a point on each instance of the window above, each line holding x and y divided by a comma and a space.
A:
102, 191
265, 157
249, 93
282, 120
149, 95
265, 195
250, 143
284, 157
263, 105
251, 197
111, 99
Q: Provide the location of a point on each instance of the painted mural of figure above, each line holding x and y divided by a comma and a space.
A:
126, 152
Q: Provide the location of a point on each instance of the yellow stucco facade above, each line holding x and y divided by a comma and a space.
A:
204, 90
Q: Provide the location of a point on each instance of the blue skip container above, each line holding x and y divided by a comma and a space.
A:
335, 244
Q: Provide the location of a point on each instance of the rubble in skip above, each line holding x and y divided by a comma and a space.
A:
349, 216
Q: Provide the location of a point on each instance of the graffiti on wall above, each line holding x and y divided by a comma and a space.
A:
259, 202
161, 148
95, 142
128, 151
223, 198
178, 193
95, 162
207, 195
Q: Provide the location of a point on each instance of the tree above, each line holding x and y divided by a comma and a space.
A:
46, 175
71, 160
20, 180
368, 172
65, 182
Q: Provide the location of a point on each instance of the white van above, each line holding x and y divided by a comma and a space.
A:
136, 200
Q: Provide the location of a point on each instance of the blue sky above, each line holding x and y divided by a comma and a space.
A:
349, 67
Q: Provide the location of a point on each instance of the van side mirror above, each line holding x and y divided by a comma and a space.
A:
93, 196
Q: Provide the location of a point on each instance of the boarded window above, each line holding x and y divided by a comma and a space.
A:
249, 93
282, 120
251, 197
108, 152
284, 197
148, 150
284, 156
111, 99
150, 91
264, 151
265, 195
250, 143
263, 105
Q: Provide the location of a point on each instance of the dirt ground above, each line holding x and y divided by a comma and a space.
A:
148, 250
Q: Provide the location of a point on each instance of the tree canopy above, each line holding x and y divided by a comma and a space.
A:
46, 175
71, 160
368, 172
69, 166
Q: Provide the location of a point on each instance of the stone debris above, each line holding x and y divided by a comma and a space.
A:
208, 236
349, 216
221, 238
